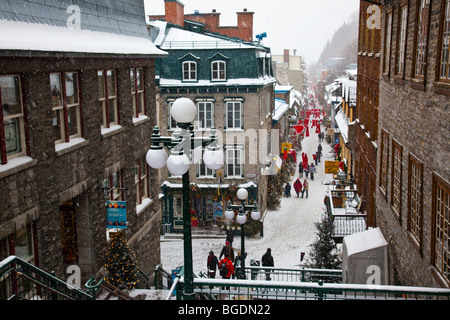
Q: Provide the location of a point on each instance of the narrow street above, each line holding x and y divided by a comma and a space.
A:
287, 231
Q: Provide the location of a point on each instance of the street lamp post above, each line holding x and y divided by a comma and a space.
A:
241, 218
181, 146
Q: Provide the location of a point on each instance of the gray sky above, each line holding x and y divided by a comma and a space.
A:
305, 25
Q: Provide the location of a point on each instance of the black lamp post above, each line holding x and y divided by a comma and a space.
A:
181, 146
241, 218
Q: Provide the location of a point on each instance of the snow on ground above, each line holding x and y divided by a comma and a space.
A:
287, 231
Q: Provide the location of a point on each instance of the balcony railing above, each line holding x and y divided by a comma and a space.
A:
20, 280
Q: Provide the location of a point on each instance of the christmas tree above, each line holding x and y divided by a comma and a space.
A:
323, 254
121, 267
274, 191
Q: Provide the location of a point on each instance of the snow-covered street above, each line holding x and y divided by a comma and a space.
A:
287, 231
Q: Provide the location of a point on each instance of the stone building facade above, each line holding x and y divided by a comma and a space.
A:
77, 124
413, 176
231, 82
365, 129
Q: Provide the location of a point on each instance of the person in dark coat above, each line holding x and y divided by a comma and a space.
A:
267, 261
300, 170
230, 236
212, 264
227, 250
287, 190
298, 187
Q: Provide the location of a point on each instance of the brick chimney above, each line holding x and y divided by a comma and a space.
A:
286, 56
174, 10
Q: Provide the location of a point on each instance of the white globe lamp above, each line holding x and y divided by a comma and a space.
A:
178, 163
241, 218
213, 158
156, 157
184, 110
242, 194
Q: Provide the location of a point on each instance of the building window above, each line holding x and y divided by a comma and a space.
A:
107, 91
141, 179
234, 161
423, 16
12, 124
65, 106
137, 91
401, 44
441, 227
384, 161
23, 243
387, 42
204, 171
171, 123
205, 118
218, 70
234, 114
396, 192
444, 74
189, 71
113, 186
415, 181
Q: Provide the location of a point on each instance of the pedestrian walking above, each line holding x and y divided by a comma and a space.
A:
298, 187
226, 267
212, 264
317, 156
300, 170
306, 171
287, 190
227, 250
312, 170
267, 261
230, 236
305, 188
319, 148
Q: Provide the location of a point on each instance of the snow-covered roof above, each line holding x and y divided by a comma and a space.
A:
176, 38
280, 108
364, 241
20, 35
342, 123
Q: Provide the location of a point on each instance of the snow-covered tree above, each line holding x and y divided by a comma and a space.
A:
323, 253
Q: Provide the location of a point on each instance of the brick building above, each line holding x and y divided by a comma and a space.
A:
413, 175
208, 22
364, 136
78, 106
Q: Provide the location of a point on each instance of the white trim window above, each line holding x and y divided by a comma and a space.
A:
234, 161
107, 91
204, 171
66, 106
234, 115
171, 123
218, 70
12, 136
189, 71
137, 91
205, 116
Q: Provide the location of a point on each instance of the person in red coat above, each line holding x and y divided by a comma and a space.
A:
298, 187
229, 265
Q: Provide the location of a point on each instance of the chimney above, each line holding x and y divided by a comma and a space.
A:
286, 56
174, 11
245, 24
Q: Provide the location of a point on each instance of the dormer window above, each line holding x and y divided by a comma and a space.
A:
189, 71
218, 71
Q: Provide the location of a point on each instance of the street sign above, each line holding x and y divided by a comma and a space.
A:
116, 214
331, 166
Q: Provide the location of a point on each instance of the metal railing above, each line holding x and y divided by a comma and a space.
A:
20, 280
216, 289
293, 274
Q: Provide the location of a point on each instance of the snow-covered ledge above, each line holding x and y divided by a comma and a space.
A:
15, 165
73, 144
